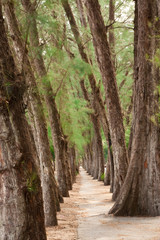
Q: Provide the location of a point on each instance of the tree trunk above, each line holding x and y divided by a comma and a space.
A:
95, 158
99, 147
21, 204
57, 133
111, 160
49, 188
107, 173
140, 192
113, 104
135, 74
59, 147
72, 153
90, 158
68, 164
109, 178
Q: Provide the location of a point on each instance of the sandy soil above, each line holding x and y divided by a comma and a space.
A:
84, 216
68, 217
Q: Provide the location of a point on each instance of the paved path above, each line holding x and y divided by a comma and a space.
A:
94, 201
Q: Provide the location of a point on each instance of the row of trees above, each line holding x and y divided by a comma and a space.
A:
66, 84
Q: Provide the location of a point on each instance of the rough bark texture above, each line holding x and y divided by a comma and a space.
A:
49, 188
72, 154
135, 74
111, 160
140, 192
67, 163
99, 158
21, 204
113, 104
109, 175
90, 158
57, 133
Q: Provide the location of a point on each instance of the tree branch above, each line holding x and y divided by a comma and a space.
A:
60, 85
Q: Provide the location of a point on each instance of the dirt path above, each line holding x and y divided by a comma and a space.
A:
67, 217
87, 209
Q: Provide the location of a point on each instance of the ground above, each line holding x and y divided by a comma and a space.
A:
67, 217
84, 216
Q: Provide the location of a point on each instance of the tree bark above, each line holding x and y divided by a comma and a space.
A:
49, 187
140, 192
72, 154
99, 146
90, 157
135, 74
113, 103
95, 158
21, 204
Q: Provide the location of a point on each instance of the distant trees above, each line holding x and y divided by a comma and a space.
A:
95, 101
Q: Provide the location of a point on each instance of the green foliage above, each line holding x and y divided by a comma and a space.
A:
102, 177
75, 122
156, 117
157, 57
52, 151
57, 44
105, 149
80, 67
32, 182
127, 135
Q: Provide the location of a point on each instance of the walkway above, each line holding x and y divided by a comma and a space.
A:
88, 206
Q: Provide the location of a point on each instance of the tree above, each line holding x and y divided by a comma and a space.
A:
140, 192
21, 204
59, 140
109, 175
115, 119
49, 188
